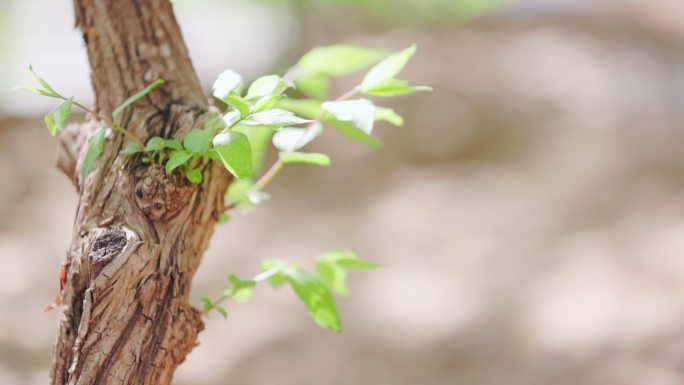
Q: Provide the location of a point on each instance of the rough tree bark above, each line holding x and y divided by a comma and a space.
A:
138, 234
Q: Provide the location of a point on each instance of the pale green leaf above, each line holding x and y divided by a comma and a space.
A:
275, 117
56, 119
137, 96
235, 153
93, 151
51, 91
359, 112
269, 85
393, 87
314, 86
278, 278
237, 102
301, 157
291, 138
388, 115
36, 91
308, 108
208, 304
259, 138
341, 59
387, 68
334, 277
228, 81
316, 296
347, 259
221, 311
352, 132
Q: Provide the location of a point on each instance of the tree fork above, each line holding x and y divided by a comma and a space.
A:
138, 233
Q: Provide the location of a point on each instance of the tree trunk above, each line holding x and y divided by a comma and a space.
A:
138, 234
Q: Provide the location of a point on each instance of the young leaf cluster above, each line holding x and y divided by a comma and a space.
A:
315, 289
264, 112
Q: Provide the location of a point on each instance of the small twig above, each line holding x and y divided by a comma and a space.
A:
110, 123
271, 173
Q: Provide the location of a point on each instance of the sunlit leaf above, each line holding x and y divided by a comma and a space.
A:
359, 112
135, 97
316, 296
235, 153
238, 103
301, 157
56, 119
387, 68
307, 108
228, 81
291, 138
275, 117
388, 115
341, 59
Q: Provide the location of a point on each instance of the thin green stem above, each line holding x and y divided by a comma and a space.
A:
271, 173
109, 123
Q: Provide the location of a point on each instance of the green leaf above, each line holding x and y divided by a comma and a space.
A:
223, 218
138, 95
276, 280
388, 115
314, 86
236, 191
347, 259
238, 103
51, 91
241, 291
359, 112
334, 277
266, 103
353, 133
387, 68
94, 149
259, 138
228, 81
172, 144
231, 117
275, 117
197, 141
308, 108
208, 304
214, 123
222, 311
156, 143
194, 175
341, 59
235, 153
56, 119
177, 159
393, 87
316, 296
36, 91
269, 85
291, 138
301, 157
131, 148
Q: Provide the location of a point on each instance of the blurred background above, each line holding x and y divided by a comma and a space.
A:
529, 213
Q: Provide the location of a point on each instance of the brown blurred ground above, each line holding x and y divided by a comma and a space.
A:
529, 215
